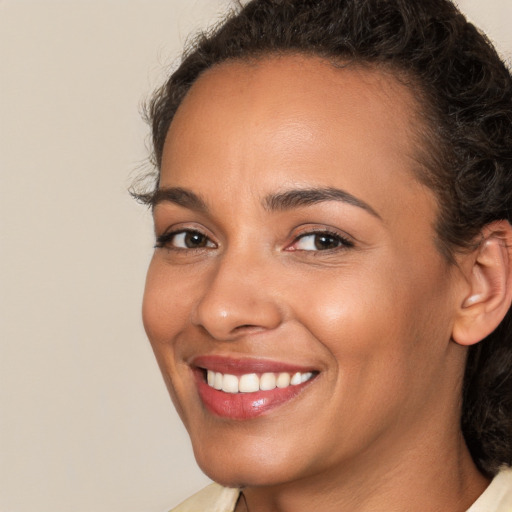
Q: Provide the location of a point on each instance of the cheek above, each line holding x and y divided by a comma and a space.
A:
166, 304
389, 315
345, 304
164, 314
379, 331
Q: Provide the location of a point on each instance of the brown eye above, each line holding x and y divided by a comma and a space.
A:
185, 239
324, 241
321, 241
193, 240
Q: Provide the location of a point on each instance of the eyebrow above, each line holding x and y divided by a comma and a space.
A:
306, 197
179, 196
281, 201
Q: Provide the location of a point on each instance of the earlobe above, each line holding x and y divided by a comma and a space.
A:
490, 286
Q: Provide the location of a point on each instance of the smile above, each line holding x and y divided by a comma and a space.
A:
252, 382
245, 389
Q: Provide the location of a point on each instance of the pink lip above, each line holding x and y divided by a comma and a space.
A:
242, 366
244, 406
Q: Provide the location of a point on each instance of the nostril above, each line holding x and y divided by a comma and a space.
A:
247, 328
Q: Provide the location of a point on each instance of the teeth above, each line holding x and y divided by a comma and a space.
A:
296, 379
230, 384
251, 382
217, 381
267, 382
248, 383
283, 380
306, 376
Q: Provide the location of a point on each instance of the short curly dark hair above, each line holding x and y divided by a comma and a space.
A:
465, 92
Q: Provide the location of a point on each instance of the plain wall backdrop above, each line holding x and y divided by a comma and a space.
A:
85, 421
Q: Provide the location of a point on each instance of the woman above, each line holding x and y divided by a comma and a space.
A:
329, 296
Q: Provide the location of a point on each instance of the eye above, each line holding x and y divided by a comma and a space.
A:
321, 241
185, 239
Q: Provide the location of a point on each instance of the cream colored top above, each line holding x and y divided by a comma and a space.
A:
214, 498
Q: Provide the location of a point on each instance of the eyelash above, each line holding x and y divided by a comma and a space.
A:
165, 240
343, 242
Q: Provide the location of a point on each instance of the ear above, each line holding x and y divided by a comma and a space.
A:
489, 277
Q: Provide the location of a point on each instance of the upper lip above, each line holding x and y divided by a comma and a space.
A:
241, 366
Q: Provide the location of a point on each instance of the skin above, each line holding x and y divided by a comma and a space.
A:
378, 429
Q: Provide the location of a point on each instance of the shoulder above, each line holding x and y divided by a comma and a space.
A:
213, 498
498, 496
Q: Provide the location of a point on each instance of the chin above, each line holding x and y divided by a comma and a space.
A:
242, 474
250, 462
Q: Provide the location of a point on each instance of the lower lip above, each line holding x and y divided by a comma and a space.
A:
244, 406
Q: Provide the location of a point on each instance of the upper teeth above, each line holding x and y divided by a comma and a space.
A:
251, 382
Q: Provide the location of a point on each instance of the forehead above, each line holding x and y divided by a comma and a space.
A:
294, 120
297, 88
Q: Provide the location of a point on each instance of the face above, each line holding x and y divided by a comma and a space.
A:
296, 302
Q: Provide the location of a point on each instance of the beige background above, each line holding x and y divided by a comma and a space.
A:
85, 421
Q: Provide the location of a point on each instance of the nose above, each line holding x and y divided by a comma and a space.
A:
239, 298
